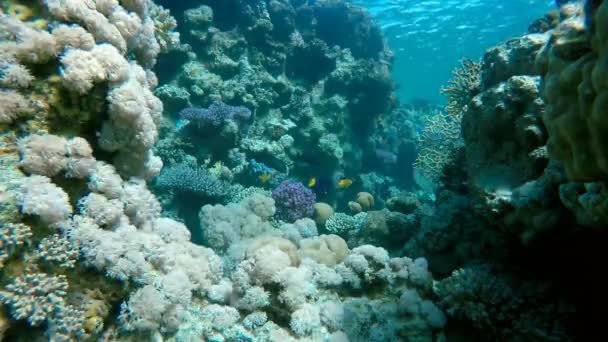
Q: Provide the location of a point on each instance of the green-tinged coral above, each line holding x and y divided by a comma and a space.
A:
67, 112
23, 10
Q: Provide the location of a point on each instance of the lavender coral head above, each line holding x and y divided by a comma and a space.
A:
216, 115
293, 200
201, 117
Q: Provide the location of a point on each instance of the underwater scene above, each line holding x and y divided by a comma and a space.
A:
303, 170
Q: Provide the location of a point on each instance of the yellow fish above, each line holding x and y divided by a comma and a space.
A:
312, 182
264, 177
344, 183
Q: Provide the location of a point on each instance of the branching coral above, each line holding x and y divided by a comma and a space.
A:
216, 115
35, 297
197, 181
462, 87
57, 249
164, 26
438, 142
12, 236
343, 224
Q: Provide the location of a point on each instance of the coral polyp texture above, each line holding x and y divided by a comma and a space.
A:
278, 84
294, 200
242, 171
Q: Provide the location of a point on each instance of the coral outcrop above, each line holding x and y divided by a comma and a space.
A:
315, 76
265, 187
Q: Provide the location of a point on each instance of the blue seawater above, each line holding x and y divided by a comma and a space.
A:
429, 37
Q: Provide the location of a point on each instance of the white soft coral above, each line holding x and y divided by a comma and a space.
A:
82, 69
37, 196
13, 106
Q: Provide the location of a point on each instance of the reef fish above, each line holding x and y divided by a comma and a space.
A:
264, 177
312, 182
344, 183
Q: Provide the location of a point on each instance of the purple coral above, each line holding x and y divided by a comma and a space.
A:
293, 200
216, 115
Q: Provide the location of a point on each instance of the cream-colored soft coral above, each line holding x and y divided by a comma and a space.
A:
80, 158
43, 154
325, 249
106, 7
38, 196
12, 106
128, 24
14, 75
103, 211
86, 14
49, 155
28, 45
268, 261
135, 114
105, 180
82, 69
73, 36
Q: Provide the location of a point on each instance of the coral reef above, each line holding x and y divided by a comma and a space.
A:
266, 186
304, 83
